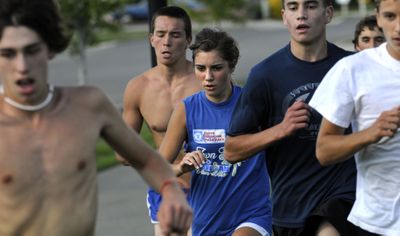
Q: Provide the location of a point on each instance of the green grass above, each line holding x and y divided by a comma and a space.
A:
105, 157
119, 35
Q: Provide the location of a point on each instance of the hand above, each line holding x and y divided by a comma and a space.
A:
191, 161
385, 126
296, 117
175, 214
122, 161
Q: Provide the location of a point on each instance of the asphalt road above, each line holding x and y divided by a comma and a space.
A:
122, 205
111, 65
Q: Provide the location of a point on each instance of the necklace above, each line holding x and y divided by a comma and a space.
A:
37, 107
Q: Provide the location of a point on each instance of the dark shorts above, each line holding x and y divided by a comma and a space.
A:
335, 211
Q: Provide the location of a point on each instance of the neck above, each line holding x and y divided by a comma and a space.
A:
311, 52
223, 96
176, 72
36, 107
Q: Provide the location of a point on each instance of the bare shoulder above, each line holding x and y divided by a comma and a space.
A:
141, 87
138, 83
91, 93
88, 97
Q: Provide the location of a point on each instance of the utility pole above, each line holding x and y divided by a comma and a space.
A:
154, 5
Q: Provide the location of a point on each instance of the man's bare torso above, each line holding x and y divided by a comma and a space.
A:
158, 104
47, 172
158, 98
155, 97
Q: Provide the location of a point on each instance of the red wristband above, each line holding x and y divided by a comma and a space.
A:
167, 182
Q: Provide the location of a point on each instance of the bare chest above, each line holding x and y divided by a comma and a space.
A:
157, 105
55, 154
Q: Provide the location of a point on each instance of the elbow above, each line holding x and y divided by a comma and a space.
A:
322, 157
322, 161
230, 155
320, 153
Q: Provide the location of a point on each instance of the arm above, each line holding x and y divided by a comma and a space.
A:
192, 160
175, 135
131, 113
175, 213
241, 147
334, 146
173, 141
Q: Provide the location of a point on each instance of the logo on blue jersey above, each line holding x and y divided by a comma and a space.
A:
216, 165
209, 136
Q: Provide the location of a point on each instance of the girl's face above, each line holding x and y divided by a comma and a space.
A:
215, 75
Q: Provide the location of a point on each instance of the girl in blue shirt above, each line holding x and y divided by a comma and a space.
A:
227, 199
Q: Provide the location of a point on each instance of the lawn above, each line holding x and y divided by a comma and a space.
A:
119, 35
105, 156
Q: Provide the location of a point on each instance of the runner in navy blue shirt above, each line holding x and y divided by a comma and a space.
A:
272, 114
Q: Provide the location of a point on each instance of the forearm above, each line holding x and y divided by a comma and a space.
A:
156, 170
134, 121
334, 148
241, 147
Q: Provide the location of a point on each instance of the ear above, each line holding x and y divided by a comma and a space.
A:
283, 16
378, 18
151, 39
328, 14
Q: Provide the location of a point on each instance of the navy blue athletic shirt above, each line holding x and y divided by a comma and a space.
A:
299, 183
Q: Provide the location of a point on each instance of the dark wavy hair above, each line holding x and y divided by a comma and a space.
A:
215, 39
369, 22
41, 16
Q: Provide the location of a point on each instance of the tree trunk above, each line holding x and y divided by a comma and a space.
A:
81, 57
362, 7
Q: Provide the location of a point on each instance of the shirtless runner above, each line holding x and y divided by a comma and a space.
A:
152, 96
48, 183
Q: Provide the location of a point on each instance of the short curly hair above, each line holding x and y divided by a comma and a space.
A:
369, 22
215, 39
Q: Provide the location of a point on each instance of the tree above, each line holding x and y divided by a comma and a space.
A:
83, 19
226, 9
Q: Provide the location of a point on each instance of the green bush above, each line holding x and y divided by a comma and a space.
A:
105, 156
275, 7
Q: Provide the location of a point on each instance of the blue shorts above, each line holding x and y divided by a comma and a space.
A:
153, 203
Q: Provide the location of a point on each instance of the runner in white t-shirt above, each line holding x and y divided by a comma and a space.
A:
363, 89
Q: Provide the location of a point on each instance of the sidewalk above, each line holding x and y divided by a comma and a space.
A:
122, 204
264, 24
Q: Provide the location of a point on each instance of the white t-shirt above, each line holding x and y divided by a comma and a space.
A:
357, 90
